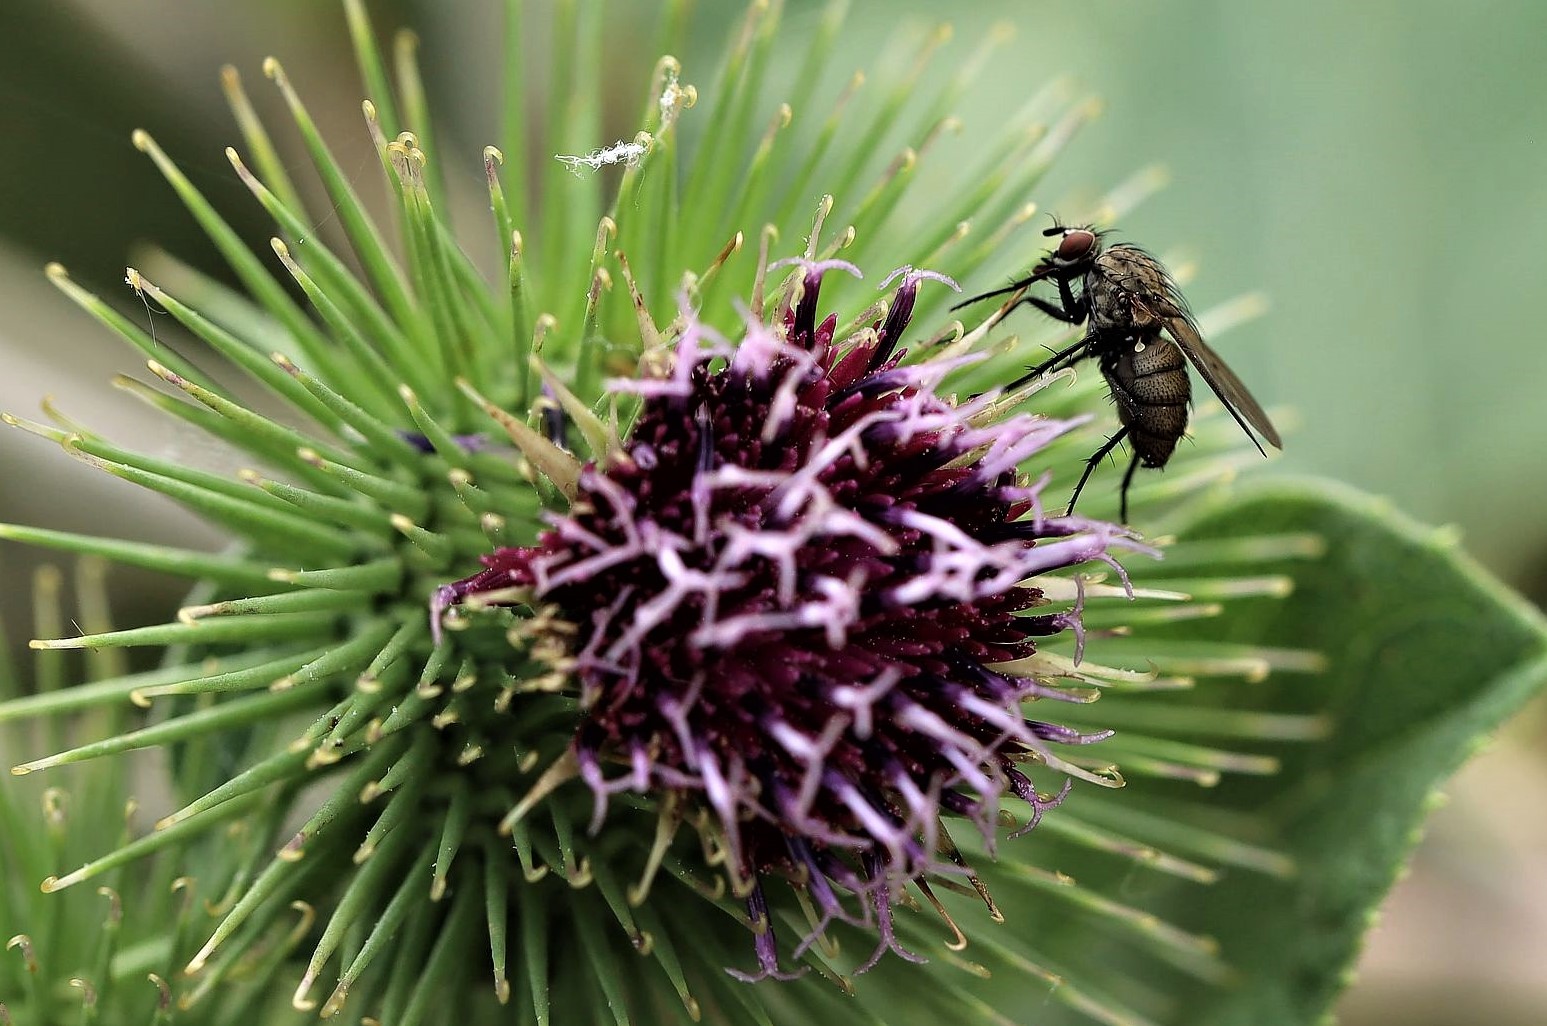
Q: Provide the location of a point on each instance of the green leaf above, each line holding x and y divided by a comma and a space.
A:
1427, 654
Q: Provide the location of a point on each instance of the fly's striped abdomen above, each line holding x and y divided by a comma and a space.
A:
1150, 386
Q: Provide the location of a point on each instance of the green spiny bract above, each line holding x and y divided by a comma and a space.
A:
329, 749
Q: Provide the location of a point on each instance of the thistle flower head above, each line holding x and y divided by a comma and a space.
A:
790, 596
764, 556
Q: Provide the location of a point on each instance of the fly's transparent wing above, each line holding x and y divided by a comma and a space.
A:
1223, 381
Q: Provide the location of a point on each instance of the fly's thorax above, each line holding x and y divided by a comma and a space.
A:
1135, 269
1110, 306
1129, 291
1116, 310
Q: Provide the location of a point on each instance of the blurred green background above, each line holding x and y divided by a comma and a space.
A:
1379, 170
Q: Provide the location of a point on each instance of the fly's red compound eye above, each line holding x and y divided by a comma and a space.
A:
1076, 245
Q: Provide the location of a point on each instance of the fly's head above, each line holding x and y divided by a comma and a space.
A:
1076, 252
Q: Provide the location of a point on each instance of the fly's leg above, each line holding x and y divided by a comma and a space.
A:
1133, 465
1014, 286
1090, 466
1064, 358
1069, 309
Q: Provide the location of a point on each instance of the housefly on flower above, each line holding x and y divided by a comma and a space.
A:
1140, 332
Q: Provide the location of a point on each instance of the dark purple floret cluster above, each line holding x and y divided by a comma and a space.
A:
798, 597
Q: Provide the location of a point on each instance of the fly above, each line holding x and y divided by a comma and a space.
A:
1142, 336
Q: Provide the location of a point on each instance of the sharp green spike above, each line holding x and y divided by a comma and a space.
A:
407, 900
497, 912
236, 713
125, 328
453, 832
446, 967
245, 515
244, 629
364, 238
257, 139
374, 526
393, 494
357, 901
378, 577
243, 261
164, 558
344, 796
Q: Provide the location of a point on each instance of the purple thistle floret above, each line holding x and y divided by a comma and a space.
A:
789, 596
